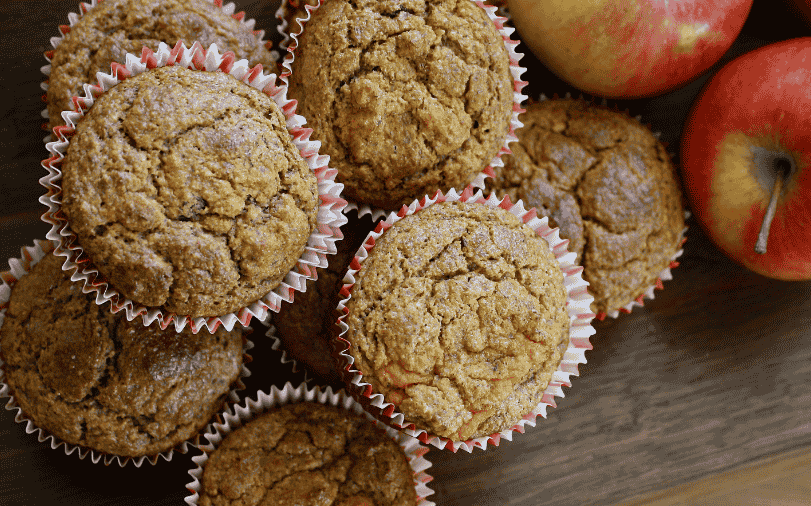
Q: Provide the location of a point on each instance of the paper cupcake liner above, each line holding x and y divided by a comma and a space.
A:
84, 7
286, 359
19, 267
251, 408
286, 9
320, 243
516, 70
577, 304
665, 274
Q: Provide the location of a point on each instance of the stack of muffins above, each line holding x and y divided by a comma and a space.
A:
184, 188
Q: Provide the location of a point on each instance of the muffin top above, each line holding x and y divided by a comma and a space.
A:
94, 379
608, 184
304, 326
186, 191
308, 454
458, 317
113, 28
406, 96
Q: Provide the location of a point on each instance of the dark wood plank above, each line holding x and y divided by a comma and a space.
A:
710, 376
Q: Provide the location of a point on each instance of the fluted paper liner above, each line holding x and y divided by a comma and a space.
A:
578, 303
286, 358
516, 70
320, 243
250, 409
19, 267
74, 17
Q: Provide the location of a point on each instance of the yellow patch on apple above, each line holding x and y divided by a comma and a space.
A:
734, 190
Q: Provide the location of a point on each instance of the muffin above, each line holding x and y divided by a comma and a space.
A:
405, 97
307, 454
186, 191
95, 380
608, 183
109, 30
458, 317
304, 327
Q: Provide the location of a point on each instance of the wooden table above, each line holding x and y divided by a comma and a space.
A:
705, 389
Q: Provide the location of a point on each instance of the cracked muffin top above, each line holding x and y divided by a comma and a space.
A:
304, 326
406, 96
113, 28
94, 379
308, 454
186, 191
608, 184
458, 317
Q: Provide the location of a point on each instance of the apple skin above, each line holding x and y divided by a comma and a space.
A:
754, 111
628, 48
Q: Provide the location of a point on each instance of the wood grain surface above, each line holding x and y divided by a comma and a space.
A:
709, 377
781, 480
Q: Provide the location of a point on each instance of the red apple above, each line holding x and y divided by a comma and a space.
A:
749, 130
628, 48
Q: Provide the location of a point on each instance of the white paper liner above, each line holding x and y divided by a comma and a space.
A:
84, 7
516, 70
19, 267
282, 24
320, 243
243, 414
577, 304
286, 359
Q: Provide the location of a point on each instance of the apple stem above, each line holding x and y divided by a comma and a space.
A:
783, 168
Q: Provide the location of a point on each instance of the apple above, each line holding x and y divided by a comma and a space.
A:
747, 139
628, 48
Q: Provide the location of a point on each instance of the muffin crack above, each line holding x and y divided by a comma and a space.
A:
441, 323
604, 180
92, 378
293, 453
181, 186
